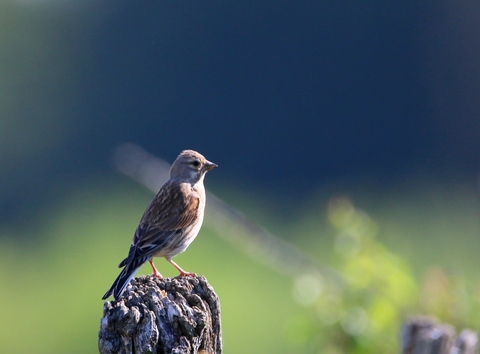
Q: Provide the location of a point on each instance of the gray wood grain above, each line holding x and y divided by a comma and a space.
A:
169, 315
424, 335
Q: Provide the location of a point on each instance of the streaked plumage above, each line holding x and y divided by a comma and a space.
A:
171, 221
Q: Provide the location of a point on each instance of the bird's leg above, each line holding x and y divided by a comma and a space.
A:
182, 272
156, 273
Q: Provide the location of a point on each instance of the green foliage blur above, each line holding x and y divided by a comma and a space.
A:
364, 315
52, 284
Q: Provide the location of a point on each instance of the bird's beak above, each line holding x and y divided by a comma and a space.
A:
210, 165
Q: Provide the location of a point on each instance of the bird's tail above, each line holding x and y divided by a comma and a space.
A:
119, 285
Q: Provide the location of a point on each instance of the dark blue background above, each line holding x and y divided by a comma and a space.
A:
286, 96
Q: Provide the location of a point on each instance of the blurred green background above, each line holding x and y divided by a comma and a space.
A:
348, 129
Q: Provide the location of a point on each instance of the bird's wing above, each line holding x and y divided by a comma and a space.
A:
174, 208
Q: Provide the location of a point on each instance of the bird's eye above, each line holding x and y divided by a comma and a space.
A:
195, 163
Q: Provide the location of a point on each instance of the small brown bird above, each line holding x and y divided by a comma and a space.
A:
171, 221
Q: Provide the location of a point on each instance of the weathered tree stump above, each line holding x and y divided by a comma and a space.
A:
423, 335
170, 315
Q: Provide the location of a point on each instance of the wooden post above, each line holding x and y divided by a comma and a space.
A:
423, 335
170, 315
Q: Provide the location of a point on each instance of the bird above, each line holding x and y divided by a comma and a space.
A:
171, 221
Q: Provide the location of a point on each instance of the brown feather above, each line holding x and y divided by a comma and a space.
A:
175, 207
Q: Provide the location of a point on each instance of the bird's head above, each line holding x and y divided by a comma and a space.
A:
191, 165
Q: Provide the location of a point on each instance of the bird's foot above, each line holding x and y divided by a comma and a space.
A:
157, 274
182, 272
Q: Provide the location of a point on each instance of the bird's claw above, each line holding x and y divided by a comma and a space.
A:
187, 274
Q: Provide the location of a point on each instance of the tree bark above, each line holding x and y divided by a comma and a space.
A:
169, 315
423, 335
